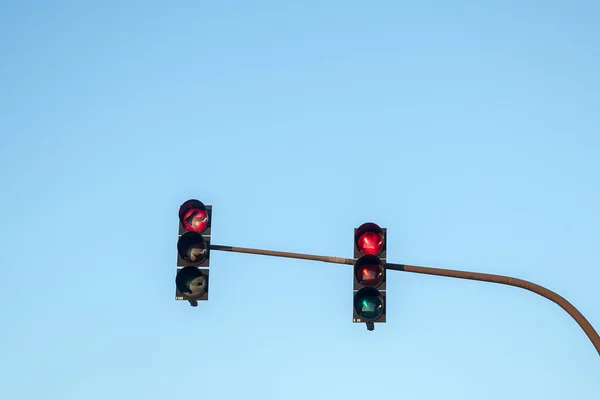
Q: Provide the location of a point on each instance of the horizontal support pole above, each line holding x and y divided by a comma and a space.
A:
476, 276
334, 260
507, 280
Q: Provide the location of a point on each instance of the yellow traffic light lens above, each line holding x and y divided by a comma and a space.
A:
192, 248
369, 271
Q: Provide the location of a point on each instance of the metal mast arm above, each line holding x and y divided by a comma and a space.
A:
476, 276
507, 280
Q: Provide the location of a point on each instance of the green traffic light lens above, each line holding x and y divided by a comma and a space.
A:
369, 304
191, 282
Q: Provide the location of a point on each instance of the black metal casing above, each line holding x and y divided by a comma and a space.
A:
201, 266
380, 288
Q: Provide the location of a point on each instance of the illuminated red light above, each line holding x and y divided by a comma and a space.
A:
195, 220
369, 239
194, 216
370, 243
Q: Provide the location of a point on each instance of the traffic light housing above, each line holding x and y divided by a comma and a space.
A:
369, 274
193, 252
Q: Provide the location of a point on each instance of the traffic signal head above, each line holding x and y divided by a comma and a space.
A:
191, 284
369, 239
369, 274
193, 251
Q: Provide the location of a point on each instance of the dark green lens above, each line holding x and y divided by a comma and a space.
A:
368, 304
191, 282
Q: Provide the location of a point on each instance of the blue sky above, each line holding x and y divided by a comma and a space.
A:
469, 130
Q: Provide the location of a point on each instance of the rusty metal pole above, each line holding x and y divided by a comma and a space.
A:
507, 280
476, 276
334, 260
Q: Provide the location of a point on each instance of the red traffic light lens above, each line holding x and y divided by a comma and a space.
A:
369, 239
369, 271
370, 243
192, 248
195, 220
193, 216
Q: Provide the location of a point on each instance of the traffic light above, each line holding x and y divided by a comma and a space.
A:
369, 274
193, 252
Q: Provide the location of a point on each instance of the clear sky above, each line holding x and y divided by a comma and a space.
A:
469, 129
